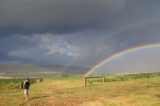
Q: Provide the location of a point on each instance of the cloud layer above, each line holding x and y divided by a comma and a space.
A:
75, 32
58, 16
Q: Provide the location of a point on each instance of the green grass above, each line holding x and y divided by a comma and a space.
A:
5, 81
125, 77
64, 77
12, 85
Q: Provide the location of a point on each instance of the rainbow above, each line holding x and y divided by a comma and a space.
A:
137, 25
107, 59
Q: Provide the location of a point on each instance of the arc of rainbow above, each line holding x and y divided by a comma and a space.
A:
119, 54
137, 25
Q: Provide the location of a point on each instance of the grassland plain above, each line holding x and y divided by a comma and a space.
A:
4, 77
70, 91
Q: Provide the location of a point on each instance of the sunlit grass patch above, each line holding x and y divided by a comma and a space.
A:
72, 92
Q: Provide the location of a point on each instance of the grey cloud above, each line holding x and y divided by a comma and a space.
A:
49, 48
67, 16
80, 31
56, 15
72, 49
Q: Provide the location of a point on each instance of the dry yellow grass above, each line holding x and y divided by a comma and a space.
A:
5, 77
143, 92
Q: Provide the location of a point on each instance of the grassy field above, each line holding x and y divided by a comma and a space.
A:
70, 91
4, 77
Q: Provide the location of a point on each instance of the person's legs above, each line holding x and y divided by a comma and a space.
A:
26, 94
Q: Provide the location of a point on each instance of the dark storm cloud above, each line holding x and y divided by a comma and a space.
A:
93, 29
59, 16
66, 16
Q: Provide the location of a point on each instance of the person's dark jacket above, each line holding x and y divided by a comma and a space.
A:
26, 85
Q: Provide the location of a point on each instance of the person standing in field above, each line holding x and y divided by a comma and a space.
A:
26, 85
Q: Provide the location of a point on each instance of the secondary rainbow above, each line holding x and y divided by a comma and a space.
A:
119, 54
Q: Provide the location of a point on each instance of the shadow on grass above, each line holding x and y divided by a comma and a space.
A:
38, 97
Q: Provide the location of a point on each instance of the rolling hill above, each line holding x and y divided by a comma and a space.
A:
40, 69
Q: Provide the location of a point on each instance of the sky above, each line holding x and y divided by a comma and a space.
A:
74, 32
135, 60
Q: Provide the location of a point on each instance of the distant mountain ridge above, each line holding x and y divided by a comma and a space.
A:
30, 68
